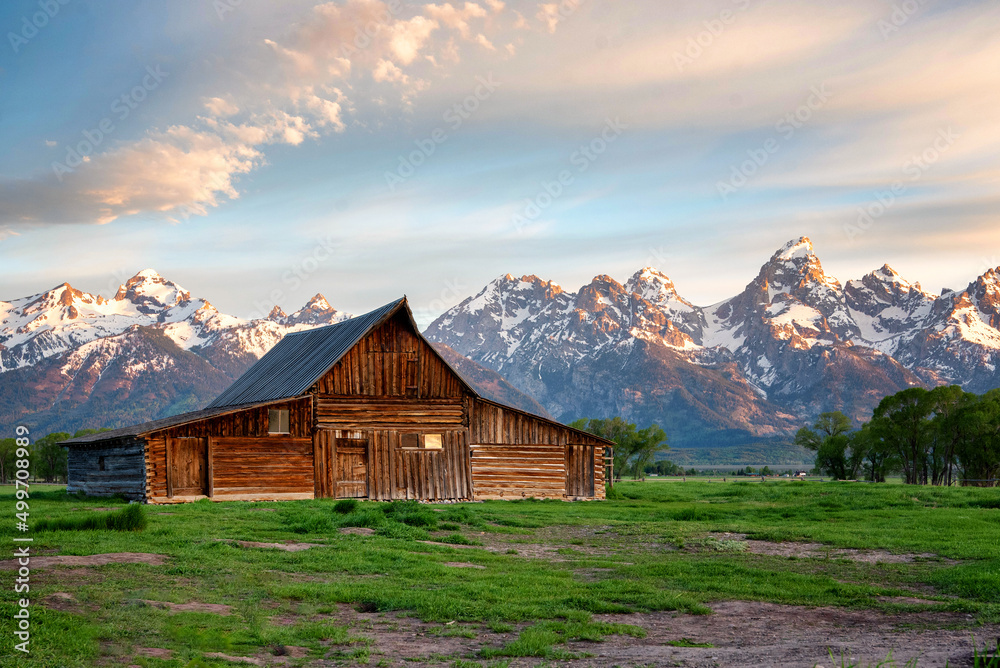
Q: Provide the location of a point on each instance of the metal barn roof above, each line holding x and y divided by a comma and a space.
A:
296, 362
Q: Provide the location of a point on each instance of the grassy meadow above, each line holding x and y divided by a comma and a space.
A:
536, 570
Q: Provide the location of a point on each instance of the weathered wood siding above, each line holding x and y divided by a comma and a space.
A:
261, 468
124, 470
393, 471
392, 361
515, 454
519, 471
342, 412
491, 423
243, 433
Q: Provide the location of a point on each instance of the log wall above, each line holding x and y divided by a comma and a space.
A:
124, 470
515, 454
519, 471
230, 436
261, 468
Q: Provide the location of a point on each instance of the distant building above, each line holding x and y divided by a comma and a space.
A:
365, 408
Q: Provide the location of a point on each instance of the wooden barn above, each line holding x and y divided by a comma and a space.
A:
365, 408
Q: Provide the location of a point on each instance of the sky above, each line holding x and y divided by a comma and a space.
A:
258, 153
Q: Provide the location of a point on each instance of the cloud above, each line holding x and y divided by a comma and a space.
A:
387, 71
220, 107
455, 18
301, 85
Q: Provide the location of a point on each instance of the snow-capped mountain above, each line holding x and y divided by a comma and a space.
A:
62, 319
793, 343
69, 359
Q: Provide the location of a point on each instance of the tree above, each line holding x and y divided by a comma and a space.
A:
830, 438
8, 446
634, 450
901, 422
49, 458
948, 428
876, 460
664, 467
646, 445
978, 449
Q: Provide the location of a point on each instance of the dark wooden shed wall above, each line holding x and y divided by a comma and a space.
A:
124, 470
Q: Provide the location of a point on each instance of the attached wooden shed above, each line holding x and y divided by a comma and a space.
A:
365, 408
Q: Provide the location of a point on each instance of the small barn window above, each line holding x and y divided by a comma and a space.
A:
277, 421
420, 441
100, 463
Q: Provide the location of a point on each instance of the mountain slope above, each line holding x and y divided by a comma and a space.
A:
794, 343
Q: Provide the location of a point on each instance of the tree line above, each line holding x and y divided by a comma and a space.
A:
48, 457
941, 436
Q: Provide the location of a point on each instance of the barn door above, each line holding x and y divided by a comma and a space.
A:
351, 472
579, 471
187, 466
324, 464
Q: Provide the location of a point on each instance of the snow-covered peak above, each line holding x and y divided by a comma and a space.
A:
318, 303
656, 287
795, 249
151, 293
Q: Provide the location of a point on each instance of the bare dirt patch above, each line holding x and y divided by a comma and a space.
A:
70, 577
766, 634
248, 660
91, 560
463, 564
192, 606
155, 652
357, 531
742, 634
287, 547
820, 551
65, 602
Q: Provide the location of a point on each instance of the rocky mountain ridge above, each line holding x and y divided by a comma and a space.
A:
795, 342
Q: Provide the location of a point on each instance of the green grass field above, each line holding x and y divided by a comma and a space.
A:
542, 567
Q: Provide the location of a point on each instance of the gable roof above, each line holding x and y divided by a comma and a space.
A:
299, 360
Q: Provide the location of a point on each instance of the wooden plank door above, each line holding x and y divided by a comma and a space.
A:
351, 471
187, 467
579, 471
323, 463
